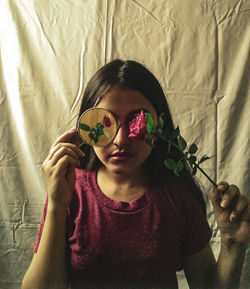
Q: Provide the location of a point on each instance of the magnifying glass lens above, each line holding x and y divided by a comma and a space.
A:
97, 127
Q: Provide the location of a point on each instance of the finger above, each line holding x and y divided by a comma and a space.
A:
61, 152
75, 139
65, 136
73, 147
246, 215
228, 195
216, 199
64, 163
222, 186
240, 207
217, 192
245, 222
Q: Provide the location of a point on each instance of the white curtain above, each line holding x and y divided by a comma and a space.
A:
199, 50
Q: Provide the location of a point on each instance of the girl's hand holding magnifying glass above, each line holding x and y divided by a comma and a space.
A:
59, 169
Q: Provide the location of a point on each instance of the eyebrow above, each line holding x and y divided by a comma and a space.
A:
139, 110
133, 111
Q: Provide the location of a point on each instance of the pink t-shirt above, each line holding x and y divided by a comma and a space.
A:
124, 245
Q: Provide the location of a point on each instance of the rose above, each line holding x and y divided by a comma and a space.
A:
106, 121
138, 126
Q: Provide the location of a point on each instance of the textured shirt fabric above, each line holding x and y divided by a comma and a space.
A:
124, 245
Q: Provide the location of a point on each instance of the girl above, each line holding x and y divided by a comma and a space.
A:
116, 218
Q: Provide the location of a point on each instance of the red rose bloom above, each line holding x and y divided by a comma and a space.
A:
106, 121
138, 126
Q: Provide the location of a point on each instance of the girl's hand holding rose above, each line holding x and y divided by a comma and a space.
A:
232, 212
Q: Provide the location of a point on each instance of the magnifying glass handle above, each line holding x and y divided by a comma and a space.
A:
76, 139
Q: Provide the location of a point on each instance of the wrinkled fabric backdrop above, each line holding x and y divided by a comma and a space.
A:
199, 50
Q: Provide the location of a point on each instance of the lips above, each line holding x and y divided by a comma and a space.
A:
121, 155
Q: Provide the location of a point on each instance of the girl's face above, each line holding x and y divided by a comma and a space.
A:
123, 155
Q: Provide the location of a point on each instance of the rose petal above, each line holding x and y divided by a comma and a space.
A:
106, 121
138, 126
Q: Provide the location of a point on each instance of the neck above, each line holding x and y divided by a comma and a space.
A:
121, 186
120, 178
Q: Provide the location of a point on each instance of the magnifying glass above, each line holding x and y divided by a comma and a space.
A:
96, 127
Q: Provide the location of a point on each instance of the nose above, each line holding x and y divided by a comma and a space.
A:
121, 139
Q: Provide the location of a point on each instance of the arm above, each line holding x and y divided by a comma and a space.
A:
230, 263
232, 212
202, 271
48, 267
232, 215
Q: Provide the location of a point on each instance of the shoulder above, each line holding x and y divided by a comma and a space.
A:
178, 192
82, 192
83, 179
196, 232
81, 173
189, 191
183, 200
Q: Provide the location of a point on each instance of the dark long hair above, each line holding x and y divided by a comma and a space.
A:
132, 75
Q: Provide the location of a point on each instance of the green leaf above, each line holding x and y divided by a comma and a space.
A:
151, 141
180, 166
170, 164
167, 132
169, 147
175, 133
99, 129
99, 133
181, 143
154, 141
160, 123
160, 131
150, 122
84, 126
193, 149
176, 172
91, 135
187, 166
99, 126
194, 171
107, 135
203, 159
192, 160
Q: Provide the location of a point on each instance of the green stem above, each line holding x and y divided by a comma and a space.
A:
206, 175
197, 166
169, 141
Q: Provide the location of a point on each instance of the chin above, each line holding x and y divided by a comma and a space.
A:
119, 171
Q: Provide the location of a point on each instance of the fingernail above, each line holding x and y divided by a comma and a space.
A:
221, 188
223, 204
72, 129
232, 217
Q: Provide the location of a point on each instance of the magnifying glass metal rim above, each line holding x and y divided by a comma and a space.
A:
90, 109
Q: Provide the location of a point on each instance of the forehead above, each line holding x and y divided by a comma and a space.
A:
122, 101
